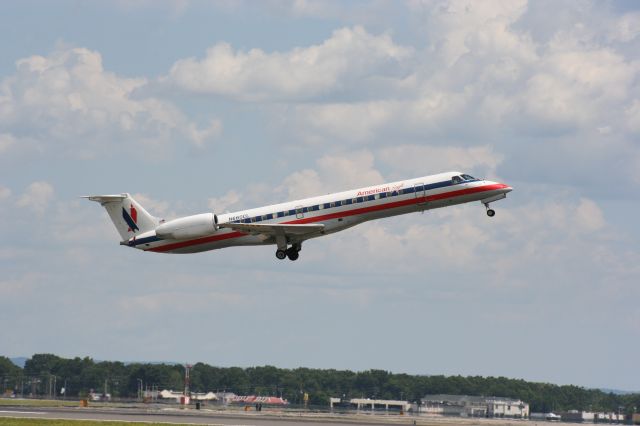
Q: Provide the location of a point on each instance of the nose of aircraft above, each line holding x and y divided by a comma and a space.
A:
504, 189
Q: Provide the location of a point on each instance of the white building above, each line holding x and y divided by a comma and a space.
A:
506, 407
373, 404
454, 405
591, 417
473, 406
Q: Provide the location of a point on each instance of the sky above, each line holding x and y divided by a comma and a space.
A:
198, 106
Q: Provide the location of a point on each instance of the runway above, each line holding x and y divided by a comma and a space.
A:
236, 418
193, 417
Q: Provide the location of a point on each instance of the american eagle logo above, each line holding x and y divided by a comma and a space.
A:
131, 218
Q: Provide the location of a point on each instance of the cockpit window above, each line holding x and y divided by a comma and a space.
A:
456, 179
468, 177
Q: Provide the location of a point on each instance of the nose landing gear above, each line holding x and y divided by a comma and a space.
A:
490, 212
486, 201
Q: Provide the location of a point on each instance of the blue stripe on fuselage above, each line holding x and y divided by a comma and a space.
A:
146, 240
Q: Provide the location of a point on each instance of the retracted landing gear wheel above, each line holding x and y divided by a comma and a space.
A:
281, 254
491, 212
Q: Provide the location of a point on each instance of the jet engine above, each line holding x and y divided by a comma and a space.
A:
199, 225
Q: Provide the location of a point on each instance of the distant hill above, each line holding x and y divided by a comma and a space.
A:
19, 361
617, 391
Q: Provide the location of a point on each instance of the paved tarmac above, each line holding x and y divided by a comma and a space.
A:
193, 417
239, 418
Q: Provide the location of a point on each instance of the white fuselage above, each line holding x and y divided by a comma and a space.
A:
338, 211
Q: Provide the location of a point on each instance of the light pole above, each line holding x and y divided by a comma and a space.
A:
139, 388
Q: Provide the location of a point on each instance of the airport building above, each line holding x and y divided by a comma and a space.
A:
506, 407
591, 417
473, 406
370, 404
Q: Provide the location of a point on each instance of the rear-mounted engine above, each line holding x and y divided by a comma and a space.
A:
199, 225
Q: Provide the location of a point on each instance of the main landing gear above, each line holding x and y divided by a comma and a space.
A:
292, 252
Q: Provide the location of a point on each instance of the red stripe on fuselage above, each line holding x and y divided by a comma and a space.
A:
337, 215
204, 240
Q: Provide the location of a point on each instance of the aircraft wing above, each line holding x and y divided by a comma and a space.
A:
275, 229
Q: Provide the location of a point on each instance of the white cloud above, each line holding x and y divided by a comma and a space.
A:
201, 136
450, 243
68, 99
458, 27
632, 115
173, 8
349, 56
626, 28
76, 221
570, 217
18, 287
334, 173
565, 87
353, 122
577, 86
4, 192
222, 204
558, 235
315, 8
419, 160
6, 140
589, 215
155, 207
36, 197
302, 184
484, 80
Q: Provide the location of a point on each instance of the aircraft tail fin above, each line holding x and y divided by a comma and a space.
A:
128, 216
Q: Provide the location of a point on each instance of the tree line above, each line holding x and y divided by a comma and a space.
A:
46, 374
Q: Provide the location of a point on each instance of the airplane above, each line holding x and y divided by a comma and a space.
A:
288, 225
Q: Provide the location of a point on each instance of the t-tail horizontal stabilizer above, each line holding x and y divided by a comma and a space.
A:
128, 216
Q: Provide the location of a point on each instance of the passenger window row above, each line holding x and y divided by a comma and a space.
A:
356, 200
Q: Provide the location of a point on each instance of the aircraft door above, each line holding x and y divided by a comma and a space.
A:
420, 192
299, 212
